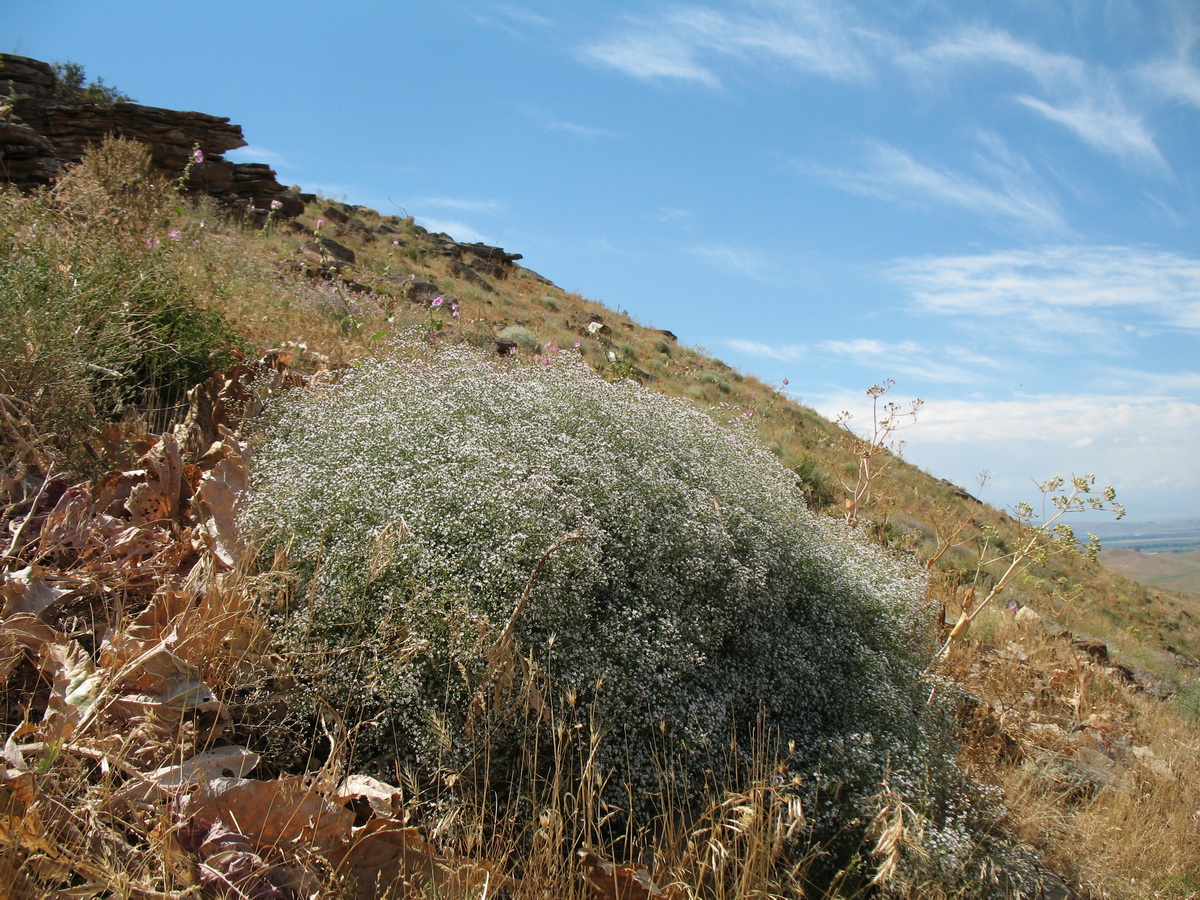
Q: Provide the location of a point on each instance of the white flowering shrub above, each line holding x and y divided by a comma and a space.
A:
416, 497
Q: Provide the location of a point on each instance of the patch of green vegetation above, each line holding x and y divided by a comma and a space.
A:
73, 84
519, 335
98, 322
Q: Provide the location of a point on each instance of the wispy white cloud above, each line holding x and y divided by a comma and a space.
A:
1150, 384
1023, 285
735, 259
670, 214
547, 120
1142, 443
513, 20
587, 132
891, 174
944, 365
464, 204
790, 353
974, 46
1177, 79
655, 57
688, 43
1083, 98
457, 230
1107, 126
255, 154
1165, 210
1176, 76
520, 14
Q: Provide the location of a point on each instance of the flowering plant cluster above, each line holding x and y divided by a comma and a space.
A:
673, 587
436, 316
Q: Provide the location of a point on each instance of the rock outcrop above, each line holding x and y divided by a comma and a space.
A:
40, 133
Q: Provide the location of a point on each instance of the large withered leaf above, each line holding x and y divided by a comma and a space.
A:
216, 504
219, 762
385, 855
613, 881
27, 590
24, 634
76, 689
274, 813
157, 498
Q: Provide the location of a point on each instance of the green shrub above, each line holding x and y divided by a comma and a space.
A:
519, 335
97, 320
72, 84
696, 594
820, 492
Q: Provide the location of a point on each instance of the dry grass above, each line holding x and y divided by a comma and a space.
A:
1099, 776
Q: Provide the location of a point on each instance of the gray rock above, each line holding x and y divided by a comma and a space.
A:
333, 214
420, 289
22, 76
469, 275
331, 248
55, 132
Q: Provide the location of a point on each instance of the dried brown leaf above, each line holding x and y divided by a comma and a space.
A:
384, 854
216, 504
382, 799
77, 688
612, 881
158, 497
68, 530
161, 784
274, 813
24, 634
15, 883
231, 868
27, 590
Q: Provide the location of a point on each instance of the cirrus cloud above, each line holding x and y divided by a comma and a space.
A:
686, 43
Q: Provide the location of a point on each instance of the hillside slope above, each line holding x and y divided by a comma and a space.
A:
1170, 571
124, 577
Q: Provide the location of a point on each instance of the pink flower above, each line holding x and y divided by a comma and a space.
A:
276, 204
175, 234
785, 382
320, 224
197, 155
437, 301
577, 344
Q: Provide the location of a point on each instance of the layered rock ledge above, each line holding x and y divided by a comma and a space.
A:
41, 133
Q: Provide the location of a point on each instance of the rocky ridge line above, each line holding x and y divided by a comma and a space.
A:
41, 134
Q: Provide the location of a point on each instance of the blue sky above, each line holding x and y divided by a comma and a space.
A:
996, 204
